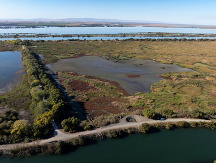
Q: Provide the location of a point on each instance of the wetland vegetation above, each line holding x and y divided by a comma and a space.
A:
39, 99
187, 94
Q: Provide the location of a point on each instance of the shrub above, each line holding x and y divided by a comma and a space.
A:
71, 124
182, 124
197, 114
105, 120
86, 125
115, 133
18, 126
169, 126
41, 108
145, 128
35, 83
37, 93
149, 113
166, 112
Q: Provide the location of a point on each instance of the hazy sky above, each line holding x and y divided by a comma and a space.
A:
170, 11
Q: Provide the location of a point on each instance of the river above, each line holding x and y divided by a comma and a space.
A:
101, 30
179, 146
99, 38
11, 70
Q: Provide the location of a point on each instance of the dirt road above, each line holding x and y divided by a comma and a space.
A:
61, 136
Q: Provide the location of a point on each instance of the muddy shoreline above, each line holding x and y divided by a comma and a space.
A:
117, 85
130, 76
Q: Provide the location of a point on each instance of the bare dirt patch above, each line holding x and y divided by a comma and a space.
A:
102, 106
80, 86
164, 77
133, 75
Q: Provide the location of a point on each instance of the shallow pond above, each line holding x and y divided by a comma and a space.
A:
178, 146
11, 70
118, 71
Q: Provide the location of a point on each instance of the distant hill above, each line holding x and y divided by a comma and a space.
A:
91, 22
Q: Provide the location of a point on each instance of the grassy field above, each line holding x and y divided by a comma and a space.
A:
19, 98
185, 52
189, 94
186, 96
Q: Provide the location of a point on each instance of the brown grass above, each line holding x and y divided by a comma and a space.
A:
187, 52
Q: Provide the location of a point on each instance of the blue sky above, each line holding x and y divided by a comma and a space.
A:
170, 11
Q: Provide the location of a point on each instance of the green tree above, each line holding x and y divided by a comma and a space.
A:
71, 124
18, 126
37, 93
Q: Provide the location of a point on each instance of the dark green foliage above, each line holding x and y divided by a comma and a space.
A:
145, 128
197, 114
71, 124
166, 112
115, 133
149, 113
47, 103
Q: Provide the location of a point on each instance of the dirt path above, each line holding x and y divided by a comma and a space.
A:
61, 136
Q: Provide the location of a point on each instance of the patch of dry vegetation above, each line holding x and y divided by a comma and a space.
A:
8, 46
96, 96
187, 52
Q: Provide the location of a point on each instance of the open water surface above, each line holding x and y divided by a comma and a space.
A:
11, 70
178, 146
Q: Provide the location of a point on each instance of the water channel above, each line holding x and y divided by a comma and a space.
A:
179, 146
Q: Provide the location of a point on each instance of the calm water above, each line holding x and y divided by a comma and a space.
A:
10, 70
103, 30
178, 146
118, 71
99, 38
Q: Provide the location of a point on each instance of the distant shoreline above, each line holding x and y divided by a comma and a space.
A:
147, 34
29, 24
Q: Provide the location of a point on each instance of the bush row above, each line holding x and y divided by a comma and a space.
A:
62, 147
47, 100
148, 128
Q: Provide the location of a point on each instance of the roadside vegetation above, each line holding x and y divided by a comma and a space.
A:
63, 147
